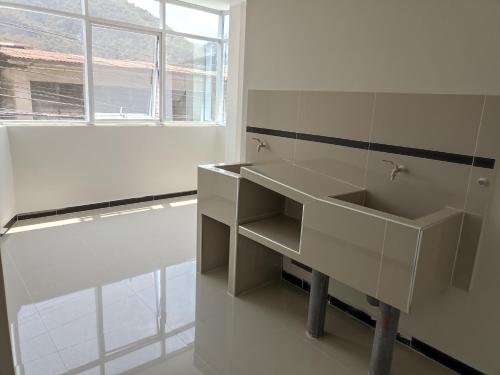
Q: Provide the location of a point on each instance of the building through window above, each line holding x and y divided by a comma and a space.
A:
53, 68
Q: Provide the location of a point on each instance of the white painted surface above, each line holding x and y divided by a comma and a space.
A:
235, 92
428, 46
445, 46
57, 166
215, 4
7, 198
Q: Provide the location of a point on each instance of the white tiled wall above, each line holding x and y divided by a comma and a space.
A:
458, 124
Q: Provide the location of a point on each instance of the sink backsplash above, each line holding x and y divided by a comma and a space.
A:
446, 143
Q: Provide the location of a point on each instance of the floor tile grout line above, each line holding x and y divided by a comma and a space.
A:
30, 296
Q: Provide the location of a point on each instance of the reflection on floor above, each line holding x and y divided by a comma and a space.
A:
117, 292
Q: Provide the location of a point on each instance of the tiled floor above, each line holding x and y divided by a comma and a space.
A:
115, 291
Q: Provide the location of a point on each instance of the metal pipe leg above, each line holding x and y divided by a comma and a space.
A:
318, 298
383, 342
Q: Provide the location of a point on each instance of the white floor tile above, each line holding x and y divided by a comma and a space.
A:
115, 291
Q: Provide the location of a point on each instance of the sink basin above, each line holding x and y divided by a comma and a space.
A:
368, 244
218, 186
233, 168
366, 199
218, 191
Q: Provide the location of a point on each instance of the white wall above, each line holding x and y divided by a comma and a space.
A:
61, 166
235, 92
440, 46
424, 46
7, 199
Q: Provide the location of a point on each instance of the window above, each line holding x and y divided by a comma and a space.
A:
191, 21
66, 104
138, 12
40, 48
225, 64
73, 6
102, 60
125, 74
190, 77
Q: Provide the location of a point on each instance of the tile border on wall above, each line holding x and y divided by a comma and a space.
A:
476, 161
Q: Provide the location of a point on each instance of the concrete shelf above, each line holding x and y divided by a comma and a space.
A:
280, 233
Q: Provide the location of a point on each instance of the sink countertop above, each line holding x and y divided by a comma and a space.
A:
224, 168
296, 182
304, 185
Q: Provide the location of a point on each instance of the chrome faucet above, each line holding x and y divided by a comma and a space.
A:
260, 144
396, 168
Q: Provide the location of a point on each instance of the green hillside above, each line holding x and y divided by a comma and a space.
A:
65, 35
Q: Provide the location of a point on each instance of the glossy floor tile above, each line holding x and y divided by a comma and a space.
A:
115, 291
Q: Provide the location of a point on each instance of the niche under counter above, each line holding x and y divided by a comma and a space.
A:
270, 218
270, 212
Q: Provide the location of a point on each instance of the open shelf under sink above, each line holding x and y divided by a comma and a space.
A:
276, 232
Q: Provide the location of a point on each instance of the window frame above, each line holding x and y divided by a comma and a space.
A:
160, 32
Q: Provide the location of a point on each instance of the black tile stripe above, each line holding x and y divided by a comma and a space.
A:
333, 141
422, 153
9, 225
122, 202
11, 222
415, 344
292, 279
300, 265
94, 206
276, 133
392, 149
87, 207
175, 195
443, 358
484, 162
35, 215
351, 310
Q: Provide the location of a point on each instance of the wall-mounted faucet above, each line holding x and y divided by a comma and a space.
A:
260, 144
396, 168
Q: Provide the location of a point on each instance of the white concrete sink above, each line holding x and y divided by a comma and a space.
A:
218, 186
233, 168
360, 241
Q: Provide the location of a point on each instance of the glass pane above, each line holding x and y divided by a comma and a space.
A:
225, 65
190, 79
226, 27
41, 67
125, 74
191, 21
73, 6
127, 319
139, 12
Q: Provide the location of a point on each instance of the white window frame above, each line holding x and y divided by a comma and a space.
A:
160, 32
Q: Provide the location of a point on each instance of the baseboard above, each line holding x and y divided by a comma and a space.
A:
93, 206
7, 226
413, 343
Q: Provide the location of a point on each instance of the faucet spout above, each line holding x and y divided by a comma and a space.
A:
260, 144
396, 168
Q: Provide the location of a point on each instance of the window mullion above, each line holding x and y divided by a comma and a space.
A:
156, 84
162, 49
193, 6
219, 91
89, 70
